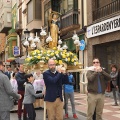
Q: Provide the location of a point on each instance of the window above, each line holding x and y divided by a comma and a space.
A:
70, 4
55, 5
20, 14
38, 9
46, 9
8, 17
30, 11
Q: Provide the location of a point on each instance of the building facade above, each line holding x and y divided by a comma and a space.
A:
103, 32
33, 14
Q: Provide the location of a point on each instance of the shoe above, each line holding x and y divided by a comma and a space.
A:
75, 116
66, 116
115, 104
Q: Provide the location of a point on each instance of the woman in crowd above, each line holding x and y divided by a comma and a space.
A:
114, 74
14, 85
118, 85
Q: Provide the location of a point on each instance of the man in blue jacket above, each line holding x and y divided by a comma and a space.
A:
53, 81
69, 94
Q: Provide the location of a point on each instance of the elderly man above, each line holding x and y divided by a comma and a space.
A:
53, 81
6, 95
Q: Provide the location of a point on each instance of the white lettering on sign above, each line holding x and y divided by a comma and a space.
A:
104, 27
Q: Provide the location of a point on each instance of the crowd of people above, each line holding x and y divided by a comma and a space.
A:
50, 86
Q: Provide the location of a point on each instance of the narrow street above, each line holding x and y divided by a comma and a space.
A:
39, 116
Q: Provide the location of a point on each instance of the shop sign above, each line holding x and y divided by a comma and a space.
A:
104, 27
82, 45
16, 51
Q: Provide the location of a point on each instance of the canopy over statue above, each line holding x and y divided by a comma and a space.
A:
54, 27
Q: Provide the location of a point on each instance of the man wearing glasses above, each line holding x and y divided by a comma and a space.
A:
97, 79
53, 81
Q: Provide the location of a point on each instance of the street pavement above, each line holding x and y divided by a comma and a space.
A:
39, 116
109, 113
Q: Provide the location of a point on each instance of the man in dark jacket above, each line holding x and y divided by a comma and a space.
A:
118, 85
20, 77
8, 72
53, 81
97, 78
6, 95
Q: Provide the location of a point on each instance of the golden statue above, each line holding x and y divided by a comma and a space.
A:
54, 28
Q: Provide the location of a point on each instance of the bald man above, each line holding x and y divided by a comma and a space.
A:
53, 81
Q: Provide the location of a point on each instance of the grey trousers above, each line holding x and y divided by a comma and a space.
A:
114, 90
4, 115
71, 96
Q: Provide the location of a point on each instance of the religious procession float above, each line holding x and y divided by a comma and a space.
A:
38, 59
51, 48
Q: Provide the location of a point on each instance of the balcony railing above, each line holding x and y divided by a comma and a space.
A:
109, 9
70, 18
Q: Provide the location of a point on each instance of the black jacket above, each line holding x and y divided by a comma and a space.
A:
118, 80
53, 83
20, 77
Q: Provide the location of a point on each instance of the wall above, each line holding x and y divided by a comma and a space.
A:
114, 36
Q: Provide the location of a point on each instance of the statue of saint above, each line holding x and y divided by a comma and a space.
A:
54, 28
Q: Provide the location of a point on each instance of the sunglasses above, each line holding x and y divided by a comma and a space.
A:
95, 62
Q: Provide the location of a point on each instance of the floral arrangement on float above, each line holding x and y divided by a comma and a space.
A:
61, 57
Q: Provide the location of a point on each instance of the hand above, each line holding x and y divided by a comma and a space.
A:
20, 96
59, 70
98, 69
117, 87
50, 10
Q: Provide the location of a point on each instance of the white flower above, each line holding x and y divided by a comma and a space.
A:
48, 54
54, 58
66, 59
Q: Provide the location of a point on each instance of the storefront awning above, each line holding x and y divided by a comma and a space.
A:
10, 59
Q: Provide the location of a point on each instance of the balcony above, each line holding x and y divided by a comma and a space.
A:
5, 27
107, 10
70, 21
5, 18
